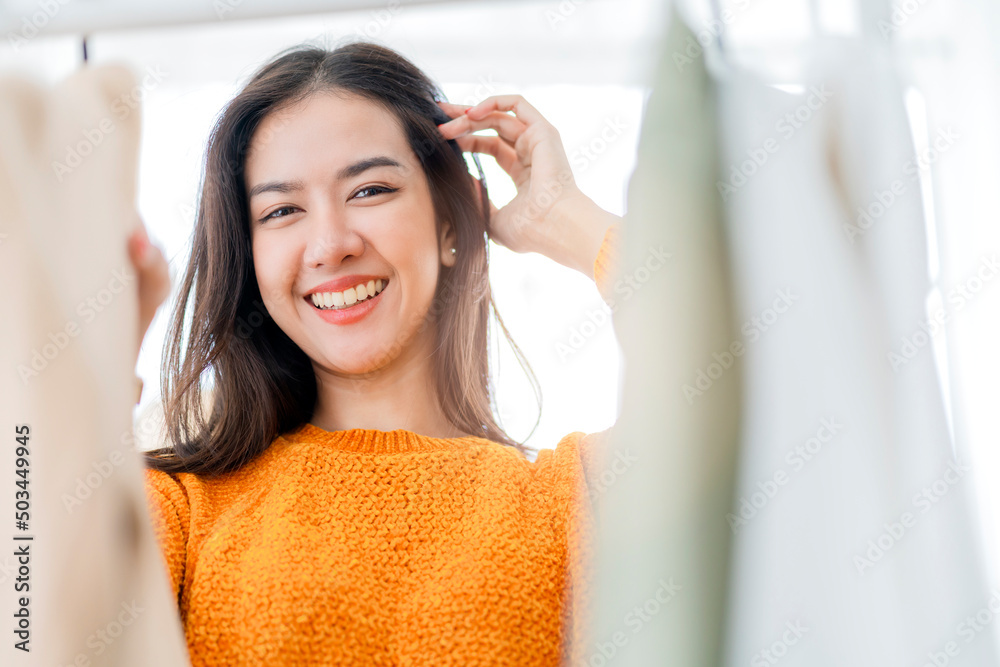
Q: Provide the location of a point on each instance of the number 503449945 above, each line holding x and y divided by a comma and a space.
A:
22, 464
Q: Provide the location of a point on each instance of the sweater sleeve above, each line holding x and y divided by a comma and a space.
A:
594, 446
170, 513
606, 264
599, 467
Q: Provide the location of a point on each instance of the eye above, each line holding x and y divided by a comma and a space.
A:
371, 189
374, 189
272, 213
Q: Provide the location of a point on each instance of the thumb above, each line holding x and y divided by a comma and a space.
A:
153, 276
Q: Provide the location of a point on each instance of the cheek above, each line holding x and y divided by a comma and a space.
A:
421, 261
408, 243
275, 268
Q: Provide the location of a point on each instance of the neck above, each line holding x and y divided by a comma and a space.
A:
401, 395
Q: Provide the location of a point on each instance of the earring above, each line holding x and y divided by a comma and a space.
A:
452, 252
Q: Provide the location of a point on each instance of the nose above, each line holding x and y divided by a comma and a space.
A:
332, 240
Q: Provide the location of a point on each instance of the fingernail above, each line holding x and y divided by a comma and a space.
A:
141, 243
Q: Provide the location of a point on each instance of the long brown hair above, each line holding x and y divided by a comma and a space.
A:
261, 384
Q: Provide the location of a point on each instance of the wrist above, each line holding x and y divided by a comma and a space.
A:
582, 225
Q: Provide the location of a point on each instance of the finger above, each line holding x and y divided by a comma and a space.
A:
504, 103
506, 126
154, 279
154, 284
502, 152
137, 243
147, 312
453, 110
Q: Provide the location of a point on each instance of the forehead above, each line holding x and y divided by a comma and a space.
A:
323, 132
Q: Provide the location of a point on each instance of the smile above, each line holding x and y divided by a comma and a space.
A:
349, 297
349, 306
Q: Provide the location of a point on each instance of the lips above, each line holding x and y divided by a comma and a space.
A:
352, 309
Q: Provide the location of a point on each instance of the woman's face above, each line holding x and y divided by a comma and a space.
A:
339, 205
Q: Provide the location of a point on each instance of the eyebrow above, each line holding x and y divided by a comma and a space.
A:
349, 171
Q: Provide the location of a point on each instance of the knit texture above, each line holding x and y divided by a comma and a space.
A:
366, 547
607, 262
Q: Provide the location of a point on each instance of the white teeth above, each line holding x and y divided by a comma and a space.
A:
348, 297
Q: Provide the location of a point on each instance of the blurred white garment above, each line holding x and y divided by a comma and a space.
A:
854, 538
97, 590
852, 527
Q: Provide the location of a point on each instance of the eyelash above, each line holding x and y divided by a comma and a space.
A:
381, 188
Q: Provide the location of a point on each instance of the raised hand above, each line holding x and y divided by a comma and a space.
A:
549, 215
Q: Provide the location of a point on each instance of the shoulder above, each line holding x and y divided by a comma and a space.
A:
163, 484
582, 454
168, 495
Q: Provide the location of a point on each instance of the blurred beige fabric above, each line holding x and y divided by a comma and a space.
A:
663, 547
99, 593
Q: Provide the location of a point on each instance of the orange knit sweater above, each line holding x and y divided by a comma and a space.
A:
366, 547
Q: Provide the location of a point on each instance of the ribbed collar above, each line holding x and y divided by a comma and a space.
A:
371, 441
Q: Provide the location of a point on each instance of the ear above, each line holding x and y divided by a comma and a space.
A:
448, 241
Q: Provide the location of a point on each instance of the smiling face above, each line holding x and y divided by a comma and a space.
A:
338, 201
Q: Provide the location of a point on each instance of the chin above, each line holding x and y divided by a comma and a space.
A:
361, 359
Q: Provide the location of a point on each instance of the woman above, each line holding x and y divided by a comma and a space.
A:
343, 494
